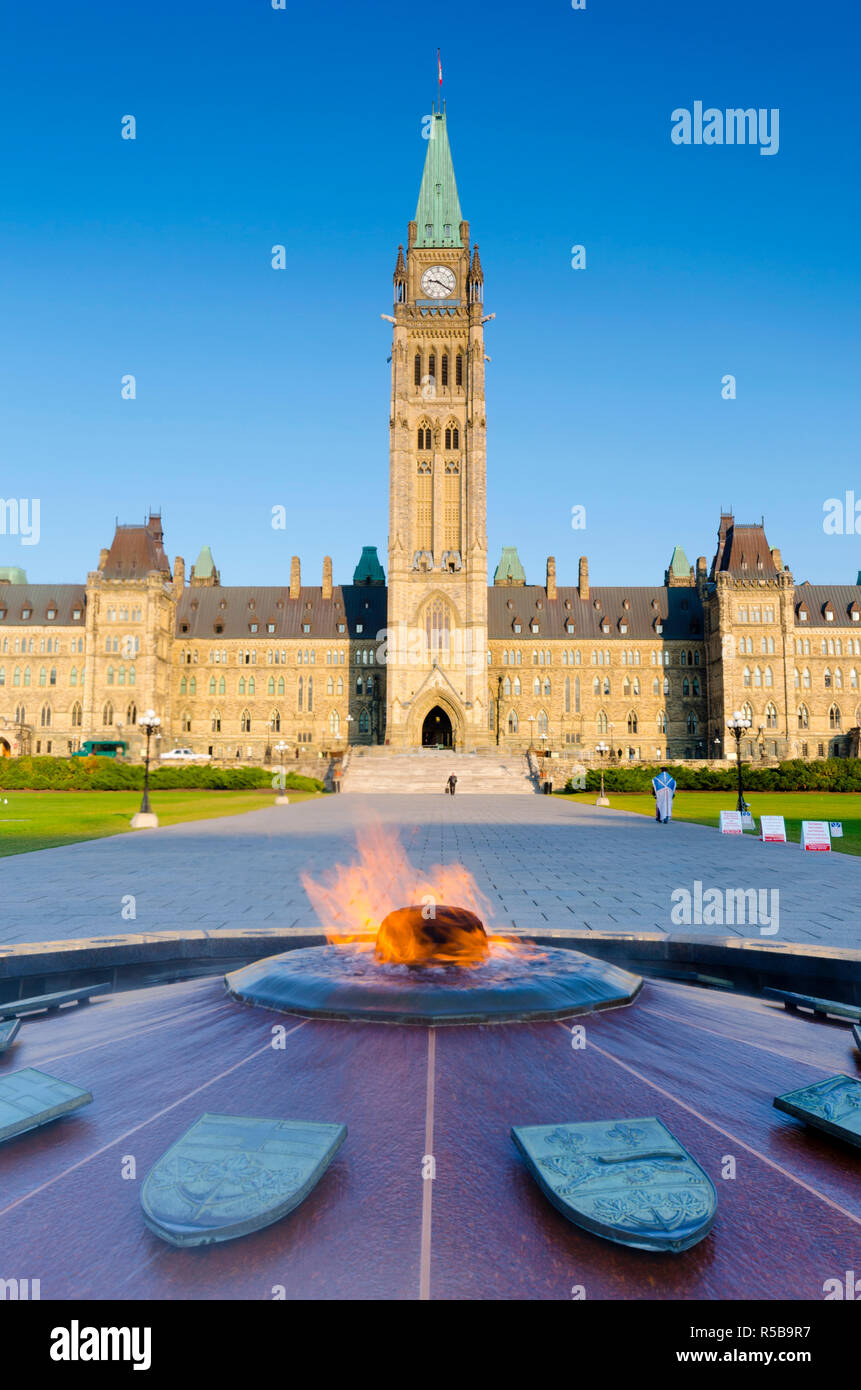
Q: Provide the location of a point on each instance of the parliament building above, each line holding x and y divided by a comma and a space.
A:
429, 653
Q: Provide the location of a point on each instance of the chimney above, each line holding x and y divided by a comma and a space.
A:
701, 564
178, 574
327, 576
775, 555
551, 577
583, 584
295, 577
103, 557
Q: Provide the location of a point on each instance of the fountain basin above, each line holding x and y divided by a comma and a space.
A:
347, 982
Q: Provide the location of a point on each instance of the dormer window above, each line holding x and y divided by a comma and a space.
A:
219, 627
533, 626
270, 627
252, 627
360, 627
51, 613
517, 627
659, 626
25, 613
342, 627
605, 626
428, 230
802, 615
306, 627
76, 613
569, 627
183, 627
623, 627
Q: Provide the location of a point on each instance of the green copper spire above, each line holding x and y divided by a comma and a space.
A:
509, 570
205, 564
438, 215
369, 570
679, 564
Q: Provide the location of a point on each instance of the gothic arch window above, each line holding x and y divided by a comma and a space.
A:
626, 686
77, 716
567, 694
360, 688
606, 685
417, 369
805, 678
301, 695
596, 686
45, 717
108, 714
692, 723
542, 723
222, 686
458, 369
747, 713
425, 438
250, 685
432, 369
506, 686
310, 693
547, 686
656, 686
770, 716
796, 678
803, 717
746, 676
334, 723
364, 722
662, 722
186, 721
275, 721
330, 686
602, 722
340, 685
686, 686
757, 676
695, 685
245, 722
576, 694
280, 685
769, 676
73, 676
241, 686
444, 370
132, 714
212, 685
632, 722
834, 717
838, 678
853, 679
437, 629
452, 435
216, 721
827, 678
517, 685
512, 722
666, 685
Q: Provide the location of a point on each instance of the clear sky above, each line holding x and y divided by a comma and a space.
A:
303, 126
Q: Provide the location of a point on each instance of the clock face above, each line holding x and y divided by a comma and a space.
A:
438, 282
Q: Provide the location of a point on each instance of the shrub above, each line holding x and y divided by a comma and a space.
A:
107, 775
829, 775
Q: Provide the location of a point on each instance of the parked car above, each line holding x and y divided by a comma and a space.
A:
183, 755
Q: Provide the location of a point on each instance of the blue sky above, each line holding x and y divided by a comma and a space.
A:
303, 126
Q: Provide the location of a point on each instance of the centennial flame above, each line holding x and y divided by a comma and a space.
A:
366, 899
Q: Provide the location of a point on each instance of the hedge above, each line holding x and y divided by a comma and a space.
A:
829, 775
107, 775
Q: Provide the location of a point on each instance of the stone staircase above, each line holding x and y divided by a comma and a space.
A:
419, 770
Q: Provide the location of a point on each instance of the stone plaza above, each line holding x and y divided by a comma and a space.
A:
542, 862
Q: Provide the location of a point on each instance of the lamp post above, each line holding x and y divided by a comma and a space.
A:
282, 799
601, 750
717, 748
145, 819
737, 726
498, 706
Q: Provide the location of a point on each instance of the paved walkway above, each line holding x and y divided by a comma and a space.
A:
541, 861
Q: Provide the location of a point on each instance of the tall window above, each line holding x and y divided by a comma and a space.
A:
417, 369
334, 723
458, 370
77, 716
834, 717
803, 717
108, 714
245, 722
437, 629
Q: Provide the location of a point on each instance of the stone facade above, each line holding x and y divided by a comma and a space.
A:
580, 671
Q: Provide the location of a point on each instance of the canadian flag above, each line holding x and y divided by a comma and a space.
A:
439, 65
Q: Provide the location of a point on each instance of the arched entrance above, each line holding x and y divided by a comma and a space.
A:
436, 729
5, 750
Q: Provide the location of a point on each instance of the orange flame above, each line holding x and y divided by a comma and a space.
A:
351, 900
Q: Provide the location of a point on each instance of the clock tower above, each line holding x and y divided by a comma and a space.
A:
436, 654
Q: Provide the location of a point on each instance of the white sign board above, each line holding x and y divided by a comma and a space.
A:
837, 830
815, 834
747, 821
730, 823
773, 829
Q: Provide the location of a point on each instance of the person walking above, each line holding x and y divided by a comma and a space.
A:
452, 783
663, 790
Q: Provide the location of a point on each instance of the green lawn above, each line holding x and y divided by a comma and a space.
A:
704, 809
43, 820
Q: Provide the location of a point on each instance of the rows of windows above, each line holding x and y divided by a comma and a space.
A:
756, 614
424, 370
830, 679
121, 615
24, 646
273, 724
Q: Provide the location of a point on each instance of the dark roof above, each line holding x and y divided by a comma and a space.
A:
137, 551
39, 598
679, 611
200, 609
815, 596
742, 550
